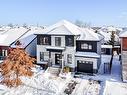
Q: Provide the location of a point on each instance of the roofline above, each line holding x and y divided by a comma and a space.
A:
19, 37
30, 43
89, 40
57, 35
87, 56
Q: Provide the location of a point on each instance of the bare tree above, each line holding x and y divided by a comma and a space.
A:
82, 24
18, 63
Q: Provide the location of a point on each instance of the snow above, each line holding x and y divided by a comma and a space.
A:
62, 27
107, 36
106, 46
87, 54
11, 35
66, 28
123, 34
27, 37
55, 48
89, 34
115, 88
44, 83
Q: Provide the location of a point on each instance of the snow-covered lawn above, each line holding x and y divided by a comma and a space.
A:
45, 83
115, 88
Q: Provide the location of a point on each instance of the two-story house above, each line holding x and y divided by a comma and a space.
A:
65, 44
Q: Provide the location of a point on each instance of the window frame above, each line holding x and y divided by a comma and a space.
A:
69, 40
86, 46
41, 57
44, 40
57, 41
69, 58
44, 57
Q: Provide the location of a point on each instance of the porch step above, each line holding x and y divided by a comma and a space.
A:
53, 70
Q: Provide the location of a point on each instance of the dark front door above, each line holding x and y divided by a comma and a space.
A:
58, 59
85, 66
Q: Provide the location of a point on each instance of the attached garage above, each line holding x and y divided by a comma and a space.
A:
84, 66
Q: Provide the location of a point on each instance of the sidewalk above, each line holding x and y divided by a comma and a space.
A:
116, 68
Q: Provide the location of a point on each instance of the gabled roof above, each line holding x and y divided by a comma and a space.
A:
11, 35
28, 37
66, 28
61, 28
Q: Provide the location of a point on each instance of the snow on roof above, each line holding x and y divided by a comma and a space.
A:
123, 34
8, 37
107, 36
87, 54
27, 37
115, 88
66, 28
89, 34
106, 46
54, 48
61, 28
110, 29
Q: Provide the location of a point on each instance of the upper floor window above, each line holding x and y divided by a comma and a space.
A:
43, 40
69, 40
86, 46
57, 41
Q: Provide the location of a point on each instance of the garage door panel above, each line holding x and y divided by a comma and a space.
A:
83, 67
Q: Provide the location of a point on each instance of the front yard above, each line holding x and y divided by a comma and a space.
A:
50, 83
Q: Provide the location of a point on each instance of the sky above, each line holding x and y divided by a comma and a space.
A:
47, 12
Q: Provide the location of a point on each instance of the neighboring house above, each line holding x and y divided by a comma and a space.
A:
65, 44
9, 39
28, 41
106, 33
123, 37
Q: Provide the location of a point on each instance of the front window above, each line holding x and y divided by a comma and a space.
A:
44, 40
44, 56
84, 46
69, 58
57, 41
41, 56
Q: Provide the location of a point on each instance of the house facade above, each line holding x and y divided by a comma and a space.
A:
65, 44
123, 38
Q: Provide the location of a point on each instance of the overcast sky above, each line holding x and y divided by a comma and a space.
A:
46, 12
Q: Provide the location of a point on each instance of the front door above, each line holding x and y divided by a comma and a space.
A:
58, 59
